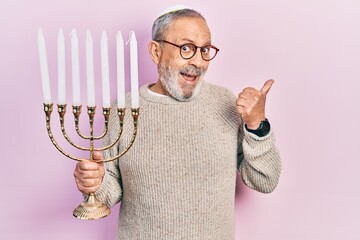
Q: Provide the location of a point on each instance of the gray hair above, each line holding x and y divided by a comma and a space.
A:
162, 23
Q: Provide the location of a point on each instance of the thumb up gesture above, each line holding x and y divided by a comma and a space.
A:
251, 104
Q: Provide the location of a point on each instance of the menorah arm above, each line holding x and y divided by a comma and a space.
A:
89, 137
91, 113
135, 115
62, 111
77, 111
48, 110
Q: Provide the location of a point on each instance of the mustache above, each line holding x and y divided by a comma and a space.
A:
191, 70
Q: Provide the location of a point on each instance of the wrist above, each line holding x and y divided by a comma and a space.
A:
262, 130
253, 125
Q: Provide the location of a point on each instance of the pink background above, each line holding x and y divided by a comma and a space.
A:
311, 48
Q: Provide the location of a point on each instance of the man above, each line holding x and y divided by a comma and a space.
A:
178, 179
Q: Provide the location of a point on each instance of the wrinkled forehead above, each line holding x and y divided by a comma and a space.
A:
194, 29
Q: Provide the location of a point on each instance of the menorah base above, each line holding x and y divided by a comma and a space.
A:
91, 209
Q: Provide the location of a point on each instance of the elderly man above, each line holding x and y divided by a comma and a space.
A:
178, 179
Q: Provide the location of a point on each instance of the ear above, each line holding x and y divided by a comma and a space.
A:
155, 51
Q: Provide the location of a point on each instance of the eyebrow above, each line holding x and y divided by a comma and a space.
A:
191, 41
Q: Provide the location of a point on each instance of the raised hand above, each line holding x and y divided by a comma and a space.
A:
251, 104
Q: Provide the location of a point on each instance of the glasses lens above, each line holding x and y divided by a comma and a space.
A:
208, 52
187, 50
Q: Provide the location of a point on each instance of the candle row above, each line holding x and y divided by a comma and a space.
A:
90, 69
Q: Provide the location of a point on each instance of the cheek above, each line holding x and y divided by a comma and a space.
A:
206, 65
173, 61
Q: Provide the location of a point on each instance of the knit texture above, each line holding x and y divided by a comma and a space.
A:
178, 179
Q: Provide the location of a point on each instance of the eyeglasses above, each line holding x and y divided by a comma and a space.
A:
188, 50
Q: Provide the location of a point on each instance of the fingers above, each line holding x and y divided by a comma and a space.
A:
88, 174
248, 97
87, 186
267, 86
251, 104
97, 155
241, 102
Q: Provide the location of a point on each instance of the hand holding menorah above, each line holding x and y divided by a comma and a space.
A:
89, 174
91, 208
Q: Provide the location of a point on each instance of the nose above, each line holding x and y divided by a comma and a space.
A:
197, 59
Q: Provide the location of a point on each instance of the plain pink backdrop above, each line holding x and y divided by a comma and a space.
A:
311, 49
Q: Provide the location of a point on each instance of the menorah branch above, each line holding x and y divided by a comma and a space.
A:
48, 108
77, 113
62, 111
135, 115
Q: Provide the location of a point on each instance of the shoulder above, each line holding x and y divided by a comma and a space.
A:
221, 100
218, 94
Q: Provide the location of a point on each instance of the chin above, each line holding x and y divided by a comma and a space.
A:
189, 92
181, 85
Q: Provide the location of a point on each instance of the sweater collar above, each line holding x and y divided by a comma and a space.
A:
147, 96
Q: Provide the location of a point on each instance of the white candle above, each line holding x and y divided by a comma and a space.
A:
120, 70
105, 70
61, 68
134, 71
90, 70
44, 67
75, 68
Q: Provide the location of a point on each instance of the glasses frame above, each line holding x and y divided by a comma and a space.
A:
196, 48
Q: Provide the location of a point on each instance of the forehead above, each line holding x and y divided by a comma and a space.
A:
189, 28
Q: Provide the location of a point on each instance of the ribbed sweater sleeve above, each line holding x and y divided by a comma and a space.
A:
258, 159
260, 166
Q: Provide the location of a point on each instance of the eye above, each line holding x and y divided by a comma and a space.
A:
205, 50
185, 48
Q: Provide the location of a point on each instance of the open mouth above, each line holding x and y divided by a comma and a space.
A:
189, 77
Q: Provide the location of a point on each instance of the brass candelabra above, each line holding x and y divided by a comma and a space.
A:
90, 208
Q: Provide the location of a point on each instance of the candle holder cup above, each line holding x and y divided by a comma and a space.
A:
90, 208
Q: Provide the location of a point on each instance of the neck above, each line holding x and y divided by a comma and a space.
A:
158, 88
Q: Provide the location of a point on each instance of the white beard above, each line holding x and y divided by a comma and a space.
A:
169, 78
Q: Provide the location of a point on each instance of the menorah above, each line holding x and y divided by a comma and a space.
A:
90, 208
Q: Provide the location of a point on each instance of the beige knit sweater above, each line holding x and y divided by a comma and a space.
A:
178, 179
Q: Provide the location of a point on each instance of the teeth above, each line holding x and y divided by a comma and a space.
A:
188, 75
